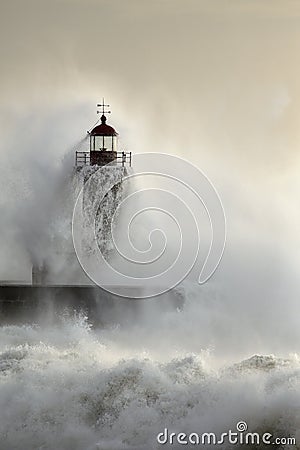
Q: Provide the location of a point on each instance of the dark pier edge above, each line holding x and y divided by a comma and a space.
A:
27, 303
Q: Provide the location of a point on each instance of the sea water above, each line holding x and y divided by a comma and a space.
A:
71, 386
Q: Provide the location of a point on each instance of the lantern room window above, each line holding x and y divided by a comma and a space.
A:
106, 143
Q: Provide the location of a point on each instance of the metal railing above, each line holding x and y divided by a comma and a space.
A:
84, 158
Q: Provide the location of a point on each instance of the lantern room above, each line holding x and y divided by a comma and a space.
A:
103, 137
103, 145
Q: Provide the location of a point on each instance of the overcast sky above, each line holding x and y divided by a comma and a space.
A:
208, 77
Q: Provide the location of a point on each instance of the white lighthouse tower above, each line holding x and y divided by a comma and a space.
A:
105, 164
102, 166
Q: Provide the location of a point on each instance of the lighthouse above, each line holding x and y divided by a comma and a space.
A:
103, 142
99, 173
103, 162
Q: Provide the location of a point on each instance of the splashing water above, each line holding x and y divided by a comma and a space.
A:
70, 386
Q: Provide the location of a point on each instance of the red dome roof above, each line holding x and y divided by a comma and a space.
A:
103, 129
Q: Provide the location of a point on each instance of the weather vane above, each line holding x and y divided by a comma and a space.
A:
103, 106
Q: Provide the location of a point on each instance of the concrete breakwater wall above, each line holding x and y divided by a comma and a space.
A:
23, 303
